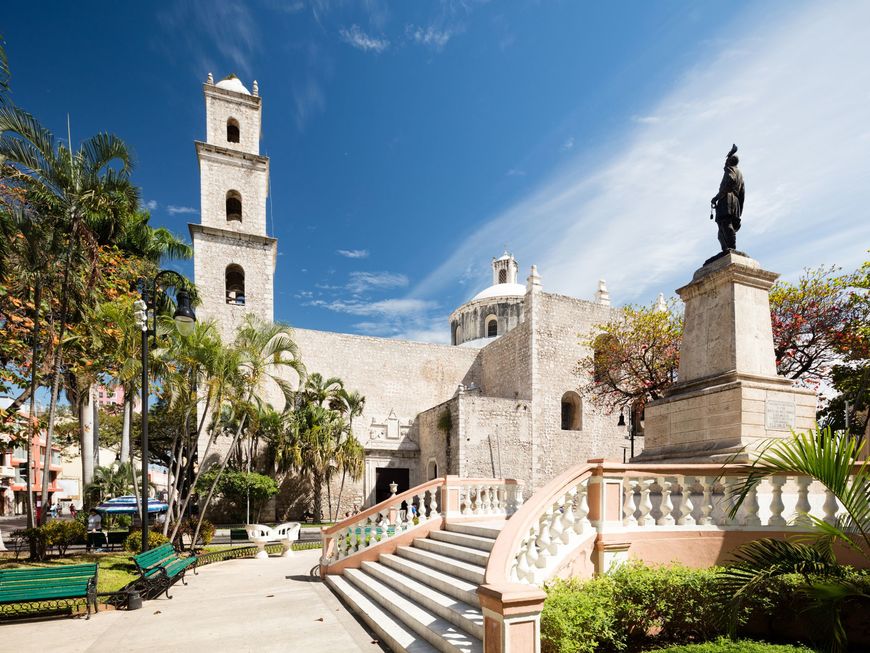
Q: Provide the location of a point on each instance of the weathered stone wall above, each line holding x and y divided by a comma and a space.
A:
506, 365
468, 322
560, 329
222, 171
220, 106
494, 437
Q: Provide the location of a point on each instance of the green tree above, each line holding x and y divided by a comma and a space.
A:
833, 461
350, 457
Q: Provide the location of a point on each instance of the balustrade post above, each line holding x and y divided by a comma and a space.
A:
628, 518
776, 504
511, 617
802, 508
686, 505
707, 505
645, 503
667, 506
830, 507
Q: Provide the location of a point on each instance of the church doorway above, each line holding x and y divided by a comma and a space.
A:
386, 475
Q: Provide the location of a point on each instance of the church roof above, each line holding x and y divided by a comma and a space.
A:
233, 84
502, 290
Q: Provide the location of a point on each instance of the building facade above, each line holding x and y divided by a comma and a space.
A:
501, 400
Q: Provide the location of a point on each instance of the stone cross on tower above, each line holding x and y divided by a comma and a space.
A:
234, 258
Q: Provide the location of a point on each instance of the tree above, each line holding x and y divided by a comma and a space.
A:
634, 358
317, 432
833, 461
238, 487
350, 457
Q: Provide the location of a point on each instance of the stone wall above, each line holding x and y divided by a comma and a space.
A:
220, 106
494, 438
506, 365
468, 323
221, 171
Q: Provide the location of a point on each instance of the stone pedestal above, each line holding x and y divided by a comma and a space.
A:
729, 398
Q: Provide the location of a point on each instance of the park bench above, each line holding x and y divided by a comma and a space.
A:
161, 567
49, 585
284, 534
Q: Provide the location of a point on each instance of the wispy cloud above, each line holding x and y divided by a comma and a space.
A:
568, 144
175, 210
308, 100
365, 281
515, 172
381, 308
151, 205
353, 253
430, 36
362, 41
635, 212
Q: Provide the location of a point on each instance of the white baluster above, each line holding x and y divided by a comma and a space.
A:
556, 524
707, 501
645, 504
776, 504
544, 542
751, 505
724, 520
667, 506
582, 523
628, 518
568, 514
685, 517
532, 555
830, 507
802, 508
433, 503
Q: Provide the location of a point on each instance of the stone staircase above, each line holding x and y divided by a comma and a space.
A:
423, 598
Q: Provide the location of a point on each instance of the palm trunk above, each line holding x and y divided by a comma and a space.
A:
318, 496
217, 479
125, 428
86, 431
34, 364
340, 491
198, 472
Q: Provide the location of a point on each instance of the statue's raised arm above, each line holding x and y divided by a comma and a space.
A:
728, 202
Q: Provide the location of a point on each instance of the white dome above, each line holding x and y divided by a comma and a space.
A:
233, 84
502, 290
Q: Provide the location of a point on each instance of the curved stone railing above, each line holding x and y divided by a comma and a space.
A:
623, 502
425, 505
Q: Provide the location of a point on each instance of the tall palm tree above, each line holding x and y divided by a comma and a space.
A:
351, 454
317, 430
88, 186
320, 391
833, 461
266, 356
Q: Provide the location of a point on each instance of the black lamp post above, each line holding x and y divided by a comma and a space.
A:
184, 318
631, 428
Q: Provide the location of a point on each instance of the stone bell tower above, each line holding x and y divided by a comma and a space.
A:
234, 258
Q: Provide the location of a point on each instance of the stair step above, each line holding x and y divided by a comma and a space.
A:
491, 529
465, 570
464, 553
439, 632
398, 637
462, 615
453, 586
464, 539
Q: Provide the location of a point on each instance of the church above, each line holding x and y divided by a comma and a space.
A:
500, 401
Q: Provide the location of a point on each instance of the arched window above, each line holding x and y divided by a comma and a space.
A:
457, 335
502, 276
232, 130
432, 472
234, 206
572, 412
235, 277
491, 326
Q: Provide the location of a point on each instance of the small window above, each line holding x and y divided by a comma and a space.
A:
235, 278
491, 326
232, 131
234, 206
572, 412
502, 276
433, 470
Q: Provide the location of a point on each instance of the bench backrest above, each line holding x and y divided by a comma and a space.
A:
154, 557
289, 530
44, 577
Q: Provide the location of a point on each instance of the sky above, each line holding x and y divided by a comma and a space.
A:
412, 142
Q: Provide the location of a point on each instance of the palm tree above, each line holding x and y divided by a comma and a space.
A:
833, 461
320, 391
266, 354
351, 454
317, 430
81, 189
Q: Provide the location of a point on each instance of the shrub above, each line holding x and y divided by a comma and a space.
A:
723, 645
206, 531
580, 617
61, 534
37, 540
133, 543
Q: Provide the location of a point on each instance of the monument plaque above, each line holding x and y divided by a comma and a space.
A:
780, 415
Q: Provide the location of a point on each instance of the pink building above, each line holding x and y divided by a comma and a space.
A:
107, 395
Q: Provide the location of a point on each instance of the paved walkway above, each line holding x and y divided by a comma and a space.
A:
238, 605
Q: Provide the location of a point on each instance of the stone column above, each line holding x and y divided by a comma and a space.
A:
511, 617
728, 399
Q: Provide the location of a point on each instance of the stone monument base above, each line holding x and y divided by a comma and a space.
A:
724, 418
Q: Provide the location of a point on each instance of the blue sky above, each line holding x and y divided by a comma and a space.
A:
410, 142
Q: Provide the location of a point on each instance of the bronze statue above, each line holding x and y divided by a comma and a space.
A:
728, 202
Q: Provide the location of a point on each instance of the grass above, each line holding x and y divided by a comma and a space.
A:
115, 571
725, 645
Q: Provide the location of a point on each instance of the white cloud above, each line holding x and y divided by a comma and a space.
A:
430, 36
174, 210
308, 100
515, 172
363, 281
353, 253
151, 205
568, 144
362, 41
382, 308
792, 94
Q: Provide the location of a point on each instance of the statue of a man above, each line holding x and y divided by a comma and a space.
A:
728, 202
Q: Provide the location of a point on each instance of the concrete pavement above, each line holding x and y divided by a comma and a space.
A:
238, 605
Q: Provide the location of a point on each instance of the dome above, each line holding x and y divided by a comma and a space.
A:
233, 84
502, 290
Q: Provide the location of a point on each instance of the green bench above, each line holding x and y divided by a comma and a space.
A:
50, 585
162, 566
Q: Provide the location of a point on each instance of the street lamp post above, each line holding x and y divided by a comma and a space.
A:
184, 318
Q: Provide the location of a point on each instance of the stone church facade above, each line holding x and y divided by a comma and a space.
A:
501, 400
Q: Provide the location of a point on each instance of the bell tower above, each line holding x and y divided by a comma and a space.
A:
504, 269
234, 257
